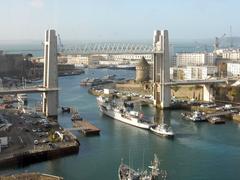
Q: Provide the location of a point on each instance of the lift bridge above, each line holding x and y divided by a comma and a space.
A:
98, 48
108, 48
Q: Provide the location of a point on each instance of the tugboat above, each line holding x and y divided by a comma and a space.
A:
196, 116
162, 130
127, 173
121, 113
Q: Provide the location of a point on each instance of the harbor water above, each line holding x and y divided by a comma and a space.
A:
198, 151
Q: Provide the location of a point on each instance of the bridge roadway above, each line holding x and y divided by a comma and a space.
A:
27, 90
205, 81
190, 82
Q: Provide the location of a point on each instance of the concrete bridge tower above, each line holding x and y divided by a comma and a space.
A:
161, 69
50, 76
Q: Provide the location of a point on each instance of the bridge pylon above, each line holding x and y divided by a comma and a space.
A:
161, 69
50, 75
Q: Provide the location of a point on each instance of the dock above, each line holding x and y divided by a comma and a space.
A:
85, 127
27, 139
216, 120
216, 114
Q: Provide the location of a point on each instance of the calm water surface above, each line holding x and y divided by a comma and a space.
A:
198, 151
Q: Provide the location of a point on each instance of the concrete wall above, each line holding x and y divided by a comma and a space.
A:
187, 92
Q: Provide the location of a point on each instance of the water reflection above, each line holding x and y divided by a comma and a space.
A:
160, 115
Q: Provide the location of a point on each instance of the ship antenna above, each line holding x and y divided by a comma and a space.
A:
129, 173
143, 159
129, 157
121, 161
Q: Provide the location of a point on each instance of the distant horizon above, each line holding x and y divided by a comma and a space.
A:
113, 20
3, 41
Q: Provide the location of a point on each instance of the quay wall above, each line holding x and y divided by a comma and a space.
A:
26, 158
31, 176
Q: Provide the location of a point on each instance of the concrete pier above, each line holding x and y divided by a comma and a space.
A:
207, 93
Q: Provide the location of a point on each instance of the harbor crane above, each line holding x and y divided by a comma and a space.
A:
217, 41
60, 45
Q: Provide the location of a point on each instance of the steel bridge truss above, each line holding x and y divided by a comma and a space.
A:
109, 48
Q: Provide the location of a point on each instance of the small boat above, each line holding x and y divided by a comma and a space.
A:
127, 173
196, 116
216, 120
109, 77
95, 81
84, 82
76, 117
162, 130
66, 109
126, 66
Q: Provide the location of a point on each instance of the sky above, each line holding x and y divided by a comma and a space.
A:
104, 20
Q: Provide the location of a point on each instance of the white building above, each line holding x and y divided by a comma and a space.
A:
232, 54
132, 57
233, 69
111, 62
77, 59
192, 72
195, 59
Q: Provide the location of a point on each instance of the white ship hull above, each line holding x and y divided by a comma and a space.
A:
162, 132
128, 120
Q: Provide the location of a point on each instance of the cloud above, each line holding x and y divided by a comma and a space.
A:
37, 3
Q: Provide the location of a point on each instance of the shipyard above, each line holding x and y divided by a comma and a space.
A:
119, 90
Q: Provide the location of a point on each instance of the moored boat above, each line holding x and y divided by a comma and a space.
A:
119, 112
76, 117
125, 172
196, 116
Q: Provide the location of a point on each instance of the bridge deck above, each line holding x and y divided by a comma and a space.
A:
27, 90
190, 82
